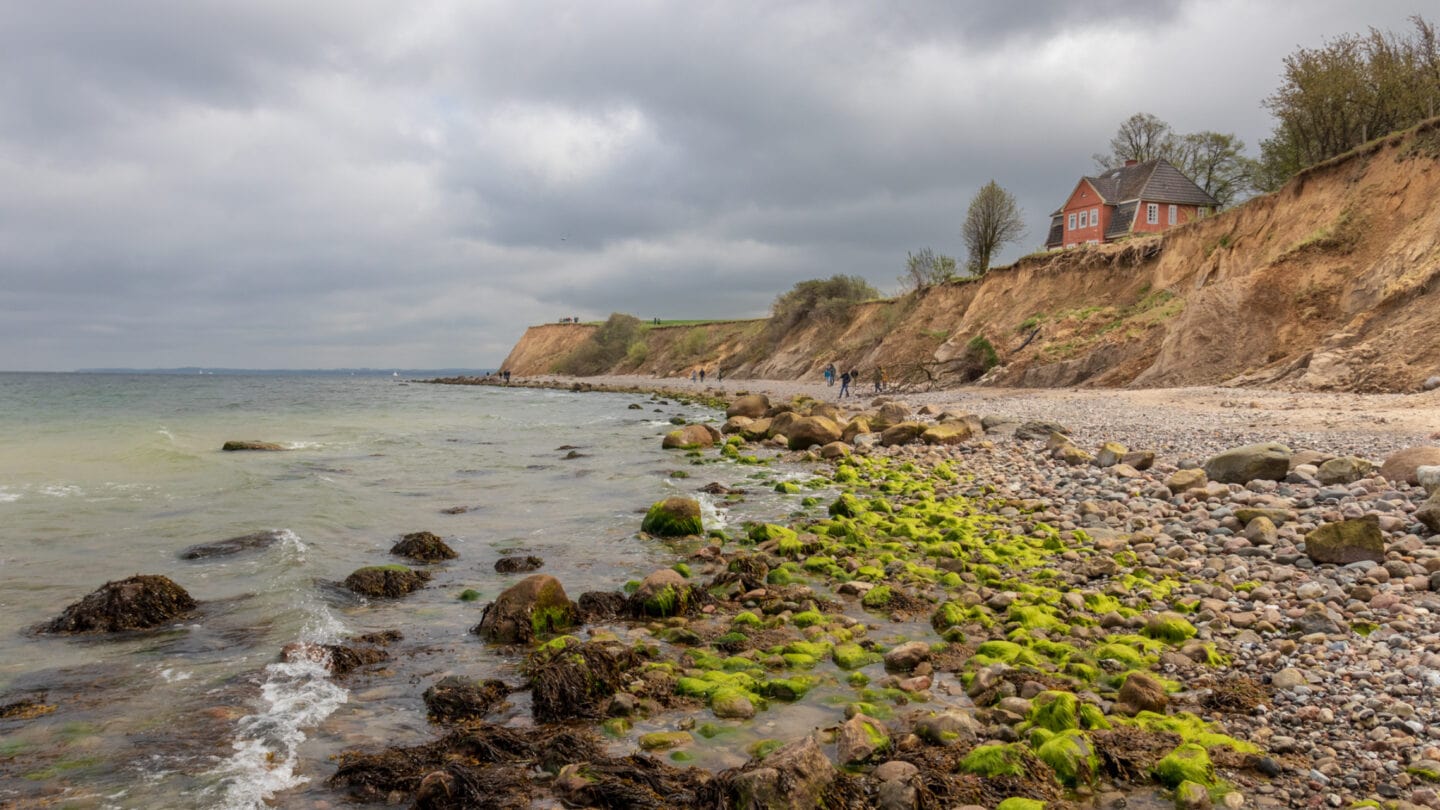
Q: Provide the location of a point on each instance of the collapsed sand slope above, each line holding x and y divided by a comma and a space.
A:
1327, 284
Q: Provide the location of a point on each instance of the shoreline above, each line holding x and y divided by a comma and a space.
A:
1310, 651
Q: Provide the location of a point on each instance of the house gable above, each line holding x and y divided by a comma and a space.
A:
1116, 203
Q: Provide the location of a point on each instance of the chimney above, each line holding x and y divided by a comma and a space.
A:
1130, 162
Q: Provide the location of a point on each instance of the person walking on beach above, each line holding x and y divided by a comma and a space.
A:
702, 375
844, 385
879, 378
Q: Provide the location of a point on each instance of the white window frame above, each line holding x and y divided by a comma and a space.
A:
1071, 220
1152, 213
1084, 219
1173, 214
1095, 217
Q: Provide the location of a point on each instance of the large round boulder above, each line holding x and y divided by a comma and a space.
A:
903, 433
812, 430
1400, 467
751, 405
673, 517
829, 410
946, 433
735, 424
780, 423
689, 437
662, 594
534, 606
858, 426
1241, 465
138, 603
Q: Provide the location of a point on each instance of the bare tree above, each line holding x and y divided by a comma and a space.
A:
1214, 160
926, 268
1141, 137
993, 220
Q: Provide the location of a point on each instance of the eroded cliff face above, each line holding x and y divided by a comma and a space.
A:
1329, 284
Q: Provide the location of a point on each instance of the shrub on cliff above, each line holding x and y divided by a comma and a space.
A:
606, 347
817, 300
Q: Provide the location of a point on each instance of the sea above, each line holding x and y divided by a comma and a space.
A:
103, 476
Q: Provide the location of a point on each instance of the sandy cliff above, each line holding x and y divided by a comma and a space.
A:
1327, 284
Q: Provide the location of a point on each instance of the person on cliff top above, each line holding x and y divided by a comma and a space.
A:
844, 385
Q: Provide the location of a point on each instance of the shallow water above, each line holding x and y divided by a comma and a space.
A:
105, 476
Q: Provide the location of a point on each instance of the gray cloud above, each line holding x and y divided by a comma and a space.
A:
374, 183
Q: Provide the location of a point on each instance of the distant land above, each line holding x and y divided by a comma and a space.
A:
293, 372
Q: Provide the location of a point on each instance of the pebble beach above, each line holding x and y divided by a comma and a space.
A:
1345, 657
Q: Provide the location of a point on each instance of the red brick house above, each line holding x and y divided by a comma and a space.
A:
1136, 198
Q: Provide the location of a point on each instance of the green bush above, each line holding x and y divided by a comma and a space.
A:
816, 300
606, 347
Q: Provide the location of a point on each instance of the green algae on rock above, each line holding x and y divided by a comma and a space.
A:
673, 517
533, 607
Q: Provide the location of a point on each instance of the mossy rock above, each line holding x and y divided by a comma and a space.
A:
846, 505
1071, 755
423, 547
995, 760
665, 740
531, 608
141, 602
572, 680
385, 581
237, 445
853, 656
1347, 541
1189, 762
1020, 803
663, 594
1055, 711
1171, 628
673, 517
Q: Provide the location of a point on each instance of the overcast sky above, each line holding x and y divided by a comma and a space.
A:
348, 183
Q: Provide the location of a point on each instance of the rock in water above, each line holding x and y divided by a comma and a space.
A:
1347, 541
455, 699
794, 776
1241, 465
689, 437
138, 603
1401, 465
234, 545
534, 606
251, 444
673, 517
518, 565
385, 581
423, 547
663, 593
859, 739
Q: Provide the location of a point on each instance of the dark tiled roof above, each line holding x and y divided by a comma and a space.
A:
1057, 232
1153, 181
1122, 220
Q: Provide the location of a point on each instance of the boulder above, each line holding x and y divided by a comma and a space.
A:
829, 410
1429, 513
1347, 541
1039, 429
949, 727
689, 437
731, 704
1241, 465
755, 431
812, 430
1139, 459
423, 547
891, 413
385, 581
1316, 619
534, 606
673, 517
860, 738
1400, 467
235, 545
1428, 478
858, 426
751, 405
947, 433
663, 593
780, 423
907, 656
138, 603
793, 777
518, 565
1110, 454
903, 433
1312, 457
251, 444
835, 450
1344, 470
735, 424
1141, 692
1074, 456
1431, 383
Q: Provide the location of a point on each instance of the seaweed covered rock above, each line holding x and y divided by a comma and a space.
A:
534, 606
518, 565
255, 541
673, 517
1347, 541
663, 593
423, 547
601, 606
859, 739
571, 679
138, 603
387, 581
339, 659
455, 699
